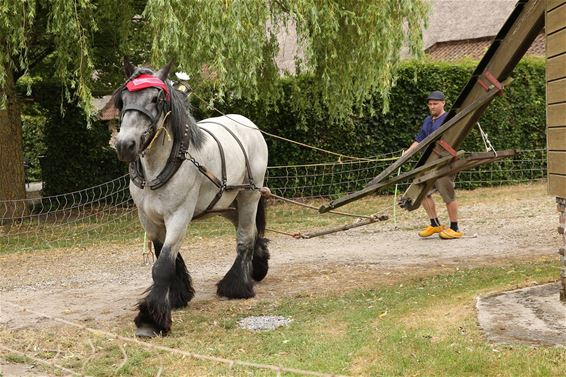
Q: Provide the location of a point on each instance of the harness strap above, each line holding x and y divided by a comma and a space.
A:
248, 169
180, 153
447, 147
174, 162
208, 174
141, 109
149, 134
222, 155
222, 184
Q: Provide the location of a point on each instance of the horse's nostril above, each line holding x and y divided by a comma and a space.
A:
131, 145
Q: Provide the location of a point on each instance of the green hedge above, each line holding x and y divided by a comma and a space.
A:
77, 157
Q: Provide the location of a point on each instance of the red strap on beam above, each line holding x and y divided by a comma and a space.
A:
491, 79
482, 84
447, 147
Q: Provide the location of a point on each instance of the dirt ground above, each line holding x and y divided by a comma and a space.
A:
99, 284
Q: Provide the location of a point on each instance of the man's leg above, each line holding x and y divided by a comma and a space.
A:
445, 187
430, 208
452, 208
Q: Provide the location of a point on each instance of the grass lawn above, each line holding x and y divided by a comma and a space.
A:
417, 327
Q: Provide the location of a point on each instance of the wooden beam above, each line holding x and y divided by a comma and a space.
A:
557, 162
467, 163
342, 228
555, 16
556, 67
557, 185
373, 185
556, 43
551, 4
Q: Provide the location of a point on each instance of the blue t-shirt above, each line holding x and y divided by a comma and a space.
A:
429, 126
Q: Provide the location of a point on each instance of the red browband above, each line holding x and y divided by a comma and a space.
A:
147, 81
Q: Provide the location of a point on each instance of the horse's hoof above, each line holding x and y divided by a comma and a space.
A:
146, 331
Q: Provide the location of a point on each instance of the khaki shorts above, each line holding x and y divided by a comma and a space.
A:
445, 187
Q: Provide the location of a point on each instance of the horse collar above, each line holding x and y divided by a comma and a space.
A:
174, 162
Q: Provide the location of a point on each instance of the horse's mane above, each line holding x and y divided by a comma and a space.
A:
180, 110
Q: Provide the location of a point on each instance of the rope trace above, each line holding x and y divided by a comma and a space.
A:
339, 155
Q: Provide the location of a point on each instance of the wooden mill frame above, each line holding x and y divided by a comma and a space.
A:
490, 77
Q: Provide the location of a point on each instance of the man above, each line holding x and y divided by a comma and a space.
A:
445, 185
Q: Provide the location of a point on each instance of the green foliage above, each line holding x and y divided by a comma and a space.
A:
34, 144
14, 24
351, 48
76, 156
71, 24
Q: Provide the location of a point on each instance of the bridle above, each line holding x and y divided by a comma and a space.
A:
163, 104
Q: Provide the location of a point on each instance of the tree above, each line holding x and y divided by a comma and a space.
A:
56, 41
351, 49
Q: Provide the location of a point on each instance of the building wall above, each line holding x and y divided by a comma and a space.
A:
556, 96
555, 25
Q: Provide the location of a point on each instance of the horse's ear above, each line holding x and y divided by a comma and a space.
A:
164, 71
129, 68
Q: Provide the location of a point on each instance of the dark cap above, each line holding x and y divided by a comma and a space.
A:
436, 95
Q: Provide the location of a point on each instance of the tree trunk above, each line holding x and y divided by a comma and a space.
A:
12, 180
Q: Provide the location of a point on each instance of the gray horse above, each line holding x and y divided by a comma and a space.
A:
181, 170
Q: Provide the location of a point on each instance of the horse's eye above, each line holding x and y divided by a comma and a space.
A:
154, 99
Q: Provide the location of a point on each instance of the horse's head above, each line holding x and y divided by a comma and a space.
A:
143, 100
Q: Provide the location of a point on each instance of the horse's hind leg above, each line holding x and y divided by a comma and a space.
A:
238, 281
260, 259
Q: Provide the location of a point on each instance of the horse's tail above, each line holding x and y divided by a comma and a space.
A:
260, 218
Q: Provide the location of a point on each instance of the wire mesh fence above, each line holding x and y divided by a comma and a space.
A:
106, 212
82, 217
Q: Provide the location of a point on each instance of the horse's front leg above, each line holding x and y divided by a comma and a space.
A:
238, 281
171, 287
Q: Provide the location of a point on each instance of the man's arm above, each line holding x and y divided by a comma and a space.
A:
413, 146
